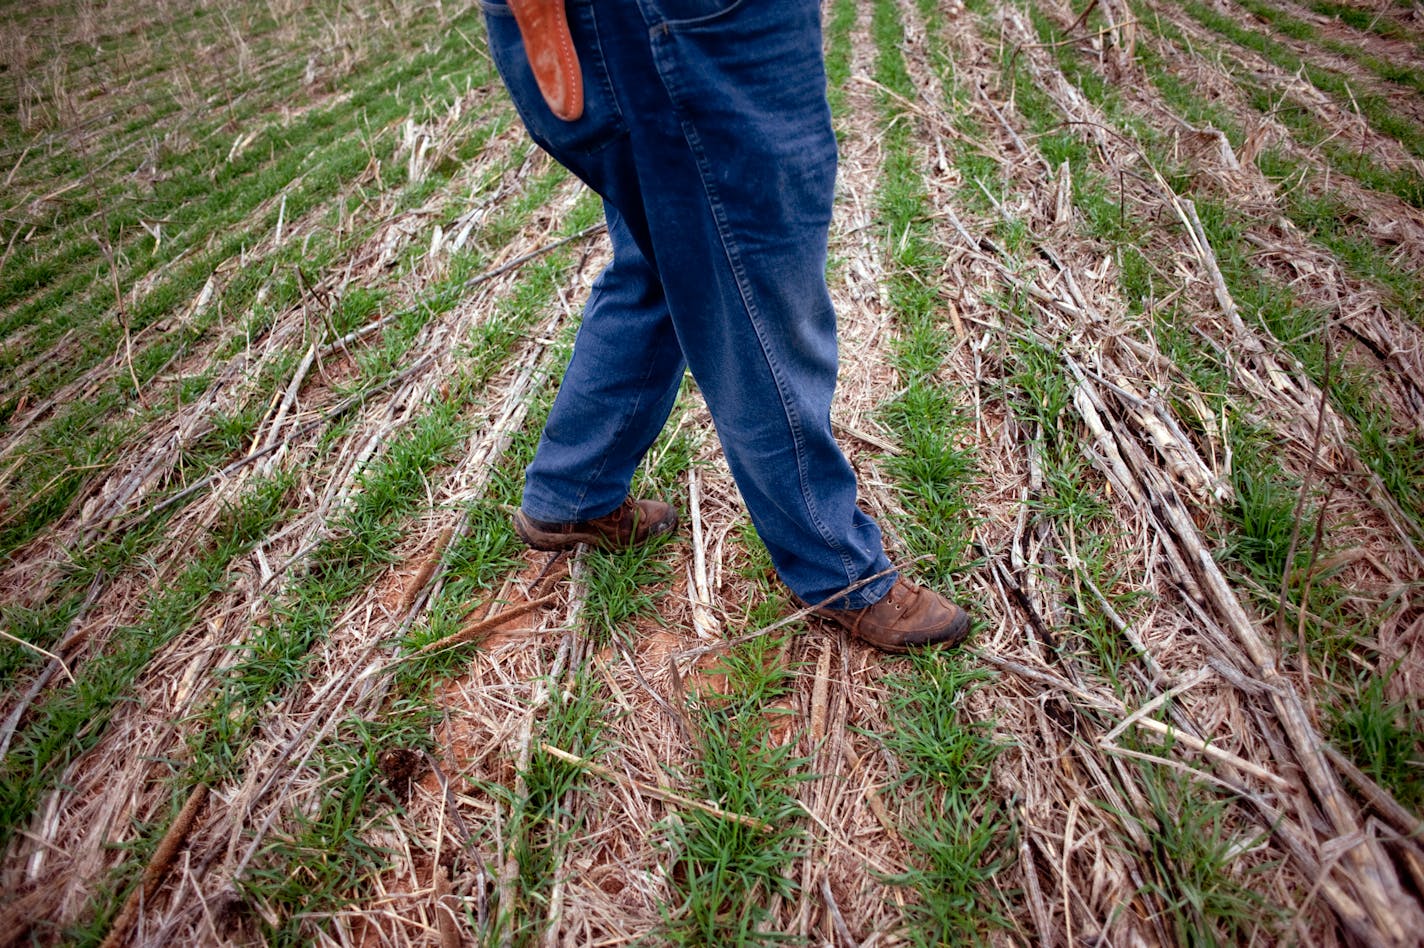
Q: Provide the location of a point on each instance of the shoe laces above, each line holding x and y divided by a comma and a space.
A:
615, 516
899, 594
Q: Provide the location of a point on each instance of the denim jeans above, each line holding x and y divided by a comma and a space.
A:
707, 133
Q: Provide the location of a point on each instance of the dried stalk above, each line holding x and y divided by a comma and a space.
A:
651, 790
479, 627
40, 651
843, 934
427, 569
1399, 818
157, 868
704, 620
786, 620
289, 398
1392, 912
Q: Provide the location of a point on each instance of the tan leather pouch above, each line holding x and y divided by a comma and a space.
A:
544, 27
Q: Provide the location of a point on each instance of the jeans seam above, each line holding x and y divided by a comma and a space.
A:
733, 252
668, 73
627, 420
668, 24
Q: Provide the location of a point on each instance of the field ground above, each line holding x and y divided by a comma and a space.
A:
1132, 297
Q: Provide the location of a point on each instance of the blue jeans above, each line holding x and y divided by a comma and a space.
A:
707, 134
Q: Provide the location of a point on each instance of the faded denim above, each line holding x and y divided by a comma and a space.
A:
707, 133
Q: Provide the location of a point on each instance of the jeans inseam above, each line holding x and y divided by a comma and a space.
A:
628, 416
749, 307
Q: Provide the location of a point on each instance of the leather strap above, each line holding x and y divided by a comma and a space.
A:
544, 27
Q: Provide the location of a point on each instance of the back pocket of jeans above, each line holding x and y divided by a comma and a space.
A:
601, 121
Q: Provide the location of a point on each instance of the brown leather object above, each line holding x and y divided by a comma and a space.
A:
544, 27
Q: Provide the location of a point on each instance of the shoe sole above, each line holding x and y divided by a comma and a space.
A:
956, 633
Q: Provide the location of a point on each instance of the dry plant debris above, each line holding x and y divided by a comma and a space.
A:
1132, 348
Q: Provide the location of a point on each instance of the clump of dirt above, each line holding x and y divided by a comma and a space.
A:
401, 767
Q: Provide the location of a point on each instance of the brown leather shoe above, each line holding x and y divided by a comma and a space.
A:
908, 616
634, 522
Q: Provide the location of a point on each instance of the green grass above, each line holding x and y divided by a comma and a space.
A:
724, 874
79, 439
1313, 135
200, 195
393, 490
956, 827
390, 490
961, 831
1197, 874
275, 658
231, 434
1258, 293
935, 467
1265, 539
1366, 20
1383, 443
1375, 108
358, 546
621, 587
541, 824
1196, 866
1255, 539
838, 29
1296, 28
323, 858
1071, 509
1383, 736
71, 719
1325, 216
1329, 221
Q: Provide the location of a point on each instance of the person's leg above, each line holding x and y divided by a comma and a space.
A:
626, 367
715, 146
740, 239
736, 161
616, 394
